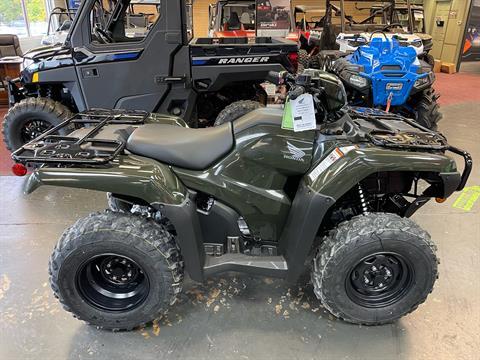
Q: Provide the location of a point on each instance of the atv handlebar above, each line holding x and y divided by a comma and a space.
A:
285, 78
280, 78
274, 77
295, 92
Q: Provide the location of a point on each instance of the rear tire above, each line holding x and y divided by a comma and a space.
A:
427, 110
374, 269
30, 118
116, 271
236, 110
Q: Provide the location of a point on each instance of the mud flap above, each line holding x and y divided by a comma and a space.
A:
184, 218
305, 217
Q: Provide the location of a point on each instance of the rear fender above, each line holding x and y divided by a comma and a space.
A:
131, 176
144, 179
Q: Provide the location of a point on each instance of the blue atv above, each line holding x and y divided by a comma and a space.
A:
383, 74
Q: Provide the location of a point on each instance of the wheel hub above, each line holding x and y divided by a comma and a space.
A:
119, 270
112, 282
379, 280
33, 129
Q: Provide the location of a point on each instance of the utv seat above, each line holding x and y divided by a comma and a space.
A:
194, 149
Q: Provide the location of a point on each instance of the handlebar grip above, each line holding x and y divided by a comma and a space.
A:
274, 77
296, 92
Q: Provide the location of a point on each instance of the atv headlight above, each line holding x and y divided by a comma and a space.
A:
422, 82
358, 81
356, 42
416, 43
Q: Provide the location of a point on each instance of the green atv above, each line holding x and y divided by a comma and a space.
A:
247, 196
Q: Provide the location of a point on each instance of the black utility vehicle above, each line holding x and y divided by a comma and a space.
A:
110, 61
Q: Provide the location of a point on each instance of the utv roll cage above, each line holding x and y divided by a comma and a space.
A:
119, 8
314, 23
55, 22
384, 8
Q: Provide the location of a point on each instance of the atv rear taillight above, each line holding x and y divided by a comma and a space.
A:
293, 57
19, 170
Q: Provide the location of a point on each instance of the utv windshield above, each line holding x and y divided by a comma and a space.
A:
401, 16
123, 21
360, 16
237, 15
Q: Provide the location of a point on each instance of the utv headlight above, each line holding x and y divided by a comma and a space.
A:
27, 62
358, 81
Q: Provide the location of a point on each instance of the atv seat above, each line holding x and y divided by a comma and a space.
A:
194, 149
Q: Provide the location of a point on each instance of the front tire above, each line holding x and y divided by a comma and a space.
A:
426, 109
429, 59
30, 118
116, 271
117, 205
374, 269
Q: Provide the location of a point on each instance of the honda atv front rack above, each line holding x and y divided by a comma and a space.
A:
394, 131
80, 147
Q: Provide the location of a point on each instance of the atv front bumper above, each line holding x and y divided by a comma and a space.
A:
466, 171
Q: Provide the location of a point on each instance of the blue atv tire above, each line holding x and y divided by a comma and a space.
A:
426, 109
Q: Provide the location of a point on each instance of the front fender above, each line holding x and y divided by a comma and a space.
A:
352, 167
129, 175
332, 176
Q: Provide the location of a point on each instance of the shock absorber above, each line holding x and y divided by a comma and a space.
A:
363, 201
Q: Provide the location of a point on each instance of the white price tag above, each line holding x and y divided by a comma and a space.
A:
303, 112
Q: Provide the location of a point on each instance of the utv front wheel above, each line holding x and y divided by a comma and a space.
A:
30, 118
116, 271
375, 269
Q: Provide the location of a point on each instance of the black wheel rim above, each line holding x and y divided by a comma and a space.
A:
379, 280
112, 282
33, 129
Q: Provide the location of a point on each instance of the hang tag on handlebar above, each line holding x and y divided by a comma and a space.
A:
287, 120
303, 113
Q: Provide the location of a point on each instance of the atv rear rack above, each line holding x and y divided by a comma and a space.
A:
83, 149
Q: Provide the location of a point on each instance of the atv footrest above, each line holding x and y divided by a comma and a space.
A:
275, 266
81, 147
